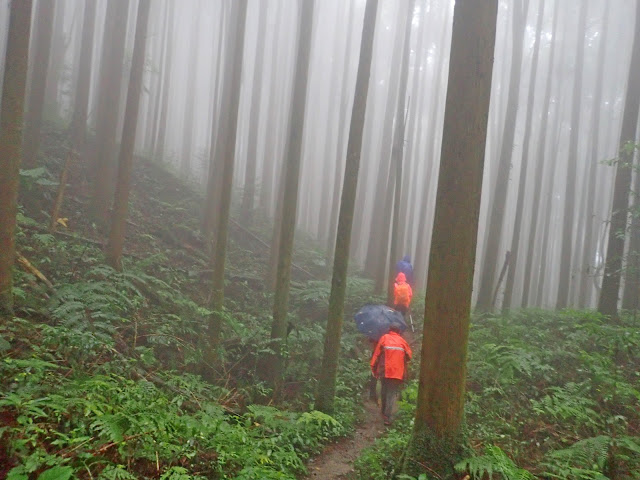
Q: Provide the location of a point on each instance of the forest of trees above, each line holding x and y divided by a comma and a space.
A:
315, 142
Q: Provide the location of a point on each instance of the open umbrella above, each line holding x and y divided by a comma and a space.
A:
375, 320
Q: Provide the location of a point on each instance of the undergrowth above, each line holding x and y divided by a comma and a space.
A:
101, 374
549, 395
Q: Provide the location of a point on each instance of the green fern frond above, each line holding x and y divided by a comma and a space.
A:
493, 461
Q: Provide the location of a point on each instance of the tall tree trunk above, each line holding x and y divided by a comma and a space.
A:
378, 241
110, 85
290, 200
125, 160
334, 124
608, 304
327, 381
226, 151
497, 207
630, 300
190, 92
396, 152
218, 105
570, 192
11, 120
81, 104
56, 60
424, 220
524, 165
41, 52
249, 193
590, 242
159, 140
537, 182
339, 152
436, 440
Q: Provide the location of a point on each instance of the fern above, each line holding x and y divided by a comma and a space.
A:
493, 461
584, 460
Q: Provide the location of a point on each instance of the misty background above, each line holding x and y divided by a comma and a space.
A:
556, 102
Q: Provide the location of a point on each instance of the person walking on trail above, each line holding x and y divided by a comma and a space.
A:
389, 363
402, 294
404, 266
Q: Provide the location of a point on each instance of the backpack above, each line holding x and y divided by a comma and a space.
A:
402, 294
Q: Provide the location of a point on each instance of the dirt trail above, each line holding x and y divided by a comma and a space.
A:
336, 461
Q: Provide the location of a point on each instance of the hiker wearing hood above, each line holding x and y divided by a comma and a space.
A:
405, 267
402, 294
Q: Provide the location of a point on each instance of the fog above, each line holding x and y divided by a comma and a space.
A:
562, 119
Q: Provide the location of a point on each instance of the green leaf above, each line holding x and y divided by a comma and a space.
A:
56, 473
17, 473
4, 345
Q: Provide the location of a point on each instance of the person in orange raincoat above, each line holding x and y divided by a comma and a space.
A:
402, 294
389, 363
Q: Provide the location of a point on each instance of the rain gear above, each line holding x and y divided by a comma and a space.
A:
404, 266
402, 292
390, 356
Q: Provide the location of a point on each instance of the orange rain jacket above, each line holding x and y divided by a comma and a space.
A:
390, 356
402, 289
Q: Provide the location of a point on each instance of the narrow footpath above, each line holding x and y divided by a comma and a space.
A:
336, 461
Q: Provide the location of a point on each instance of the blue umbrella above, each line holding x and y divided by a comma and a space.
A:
375, 320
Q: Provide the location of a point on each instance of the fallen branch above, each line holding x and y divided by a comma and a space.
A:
33, 270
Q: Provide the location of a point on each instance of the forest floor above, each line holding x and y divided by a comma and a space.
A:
336, 460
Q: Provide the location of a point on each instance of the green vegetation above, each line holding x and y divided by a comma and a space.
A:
550, 395
100, 373
100, 376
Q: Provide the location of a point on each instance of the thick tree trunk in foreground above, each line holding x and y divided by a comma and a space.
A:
125, 160
226, 152
11, 119
41, 51
437, 436
608, 304
291, 167
327, 380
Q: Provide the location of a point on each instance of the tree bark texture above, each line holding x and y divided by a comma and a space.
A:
11, 121
436, 438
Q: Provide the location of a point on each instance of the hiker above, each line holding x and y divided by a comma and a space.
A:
389, 364
402, 294
373, 381
405, 267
